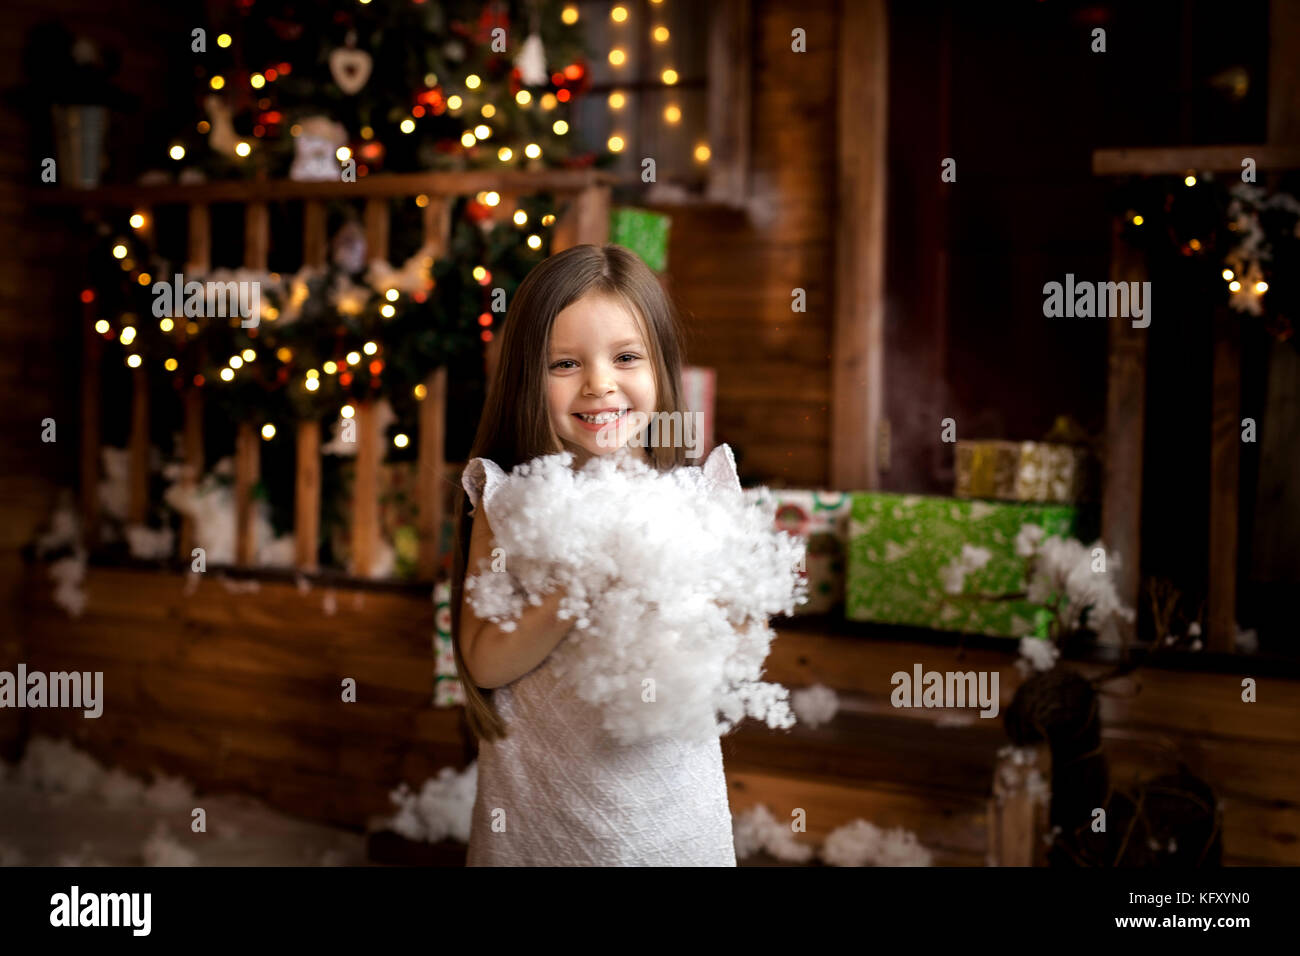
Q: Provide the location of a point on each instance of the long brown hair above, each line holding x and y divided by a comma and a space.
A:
516, 423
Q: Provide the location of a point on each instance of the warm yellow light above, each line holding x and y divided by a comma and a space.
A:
421, 392
673, 113
532, 150
227, 374
166, 324
523, 97
257, 80
177, 152
618, 14
1138, 220
370, 348
482, 130
472, 82
203, 126
353, 358
119, 251
133, 361
392, 295
283, 354
478, 273
492, 199
128, 335
242, 148
330, 367
702, 153
560, 127
661, 34
101, 326
144, 278
171, 365
1227, 274
548, 219
217, 82
347, 411
311, 384
1190, 180
488, 111
548, 101
313, 373
268, 431
669, 76
520, 217
407, 126
617, 57
137, 221
295, 129
505, 154
387, 311
1261, 286
191, 328
400, 440
342, 154
569, 15
248, 355
236, 361
617, 100
1234, 285
454, 101
534, 241
270, 312
615, 144
468, 139
431, 79
223, 40
367, 132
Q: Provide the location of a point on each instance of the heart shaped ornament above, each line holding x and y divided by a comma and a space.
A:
350, 68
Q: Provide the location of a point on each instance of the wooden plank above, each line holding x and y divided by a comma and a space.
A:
315, 242
857, 364
586, 220
138, 455
1177, 160
730, 100
436, 222
257, 235
199, 239
193, 467
365, 492
1284, 73
389, 185
1121, 519
1225, 461
431, 470
377, 224
92, 346
306, 497
248, 466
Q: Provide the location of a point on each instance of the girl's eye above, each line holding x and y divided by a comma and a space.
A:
562, 362
631, 356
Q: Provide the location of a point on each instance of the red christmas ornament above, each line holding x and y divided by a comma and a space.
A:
477, 212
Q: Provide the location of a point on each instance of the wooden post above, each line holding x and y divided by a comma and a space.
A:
585, 221
857, 384
1121, 509
376, 229
138, 455
314, 239
437, 226
92, 346
430, 471
257, 236
1018, 808
1225, 461
197, 261
306, 498
731, 40
248, 466
365, 492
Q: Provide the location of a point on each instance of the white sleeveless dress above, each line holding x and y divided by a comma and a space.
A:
571, 795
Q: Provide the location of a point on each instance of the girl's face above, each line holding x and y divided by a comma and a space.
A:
598, 366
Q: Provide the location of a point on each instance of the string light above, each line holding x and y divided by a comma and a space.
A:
549, 101
217, 82
617, 100
144, 278
248, 355
421, 392
101, 326
311, 384
532, 150
166, 324
617, 57
171, 365
133, 361
560, 127
387, 311
1261, 287
488, 111
454, 102
257, 81
702, 153
505, 154
342, 154
354, 358
548, 219
119, 251
407, 126
482, 131
1227, 274
523, 97
661, 34
347, 411
472, 82
618, 14
1234, 285
569, 15
128, 335
494, 198
223, 40
236, 361
673, 113
177, 152
468, 139
1138, 220
1190, 180
330, 367
227, 374
137, 221
615, 144
669, 76
401, 441
534, 241
242, 148
268, 431
283, 354
370, 348
520, 217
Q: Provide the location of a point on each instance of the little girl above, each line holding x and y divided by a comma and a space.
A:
589, 340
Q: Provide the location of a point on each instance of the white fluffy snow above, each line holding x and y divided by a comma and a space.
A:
864, 844
815, 705
443, 808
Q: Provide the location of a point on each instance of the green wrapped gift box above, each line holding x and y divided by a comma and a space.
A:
642, 231
821, 518
900, 544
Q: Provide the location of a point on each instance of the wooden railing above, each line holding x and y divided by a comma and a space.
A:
586, 219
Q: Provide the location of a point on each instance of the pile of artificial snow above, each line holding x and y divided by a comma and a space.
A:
670, 577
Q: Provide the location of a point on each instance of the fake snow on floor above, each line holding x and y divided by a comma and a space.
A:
59, 807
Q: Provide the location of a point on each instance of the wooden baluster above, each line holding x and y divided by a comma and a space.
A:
431, 469
92, 346
306, 500
1225, 461
365, 491
197, 262
377, 229
138, 455
585, 221
247, 452
437, 226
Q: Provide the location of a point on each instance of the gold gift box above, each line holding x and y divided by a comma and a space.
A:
1022, 471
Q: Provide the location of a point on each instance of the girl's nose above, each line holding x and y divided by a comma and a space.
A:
598, 386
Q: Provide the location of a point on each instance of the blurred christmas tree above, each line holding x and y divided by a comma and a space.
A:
297, 87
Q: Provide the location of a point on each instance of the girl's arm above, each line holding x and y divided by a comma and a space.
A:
496, 657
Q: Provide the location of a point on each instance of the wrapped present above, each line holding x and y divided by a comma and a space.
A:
821, 518
447, 689
698, 385
903, 549
1022, 471
642, 231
